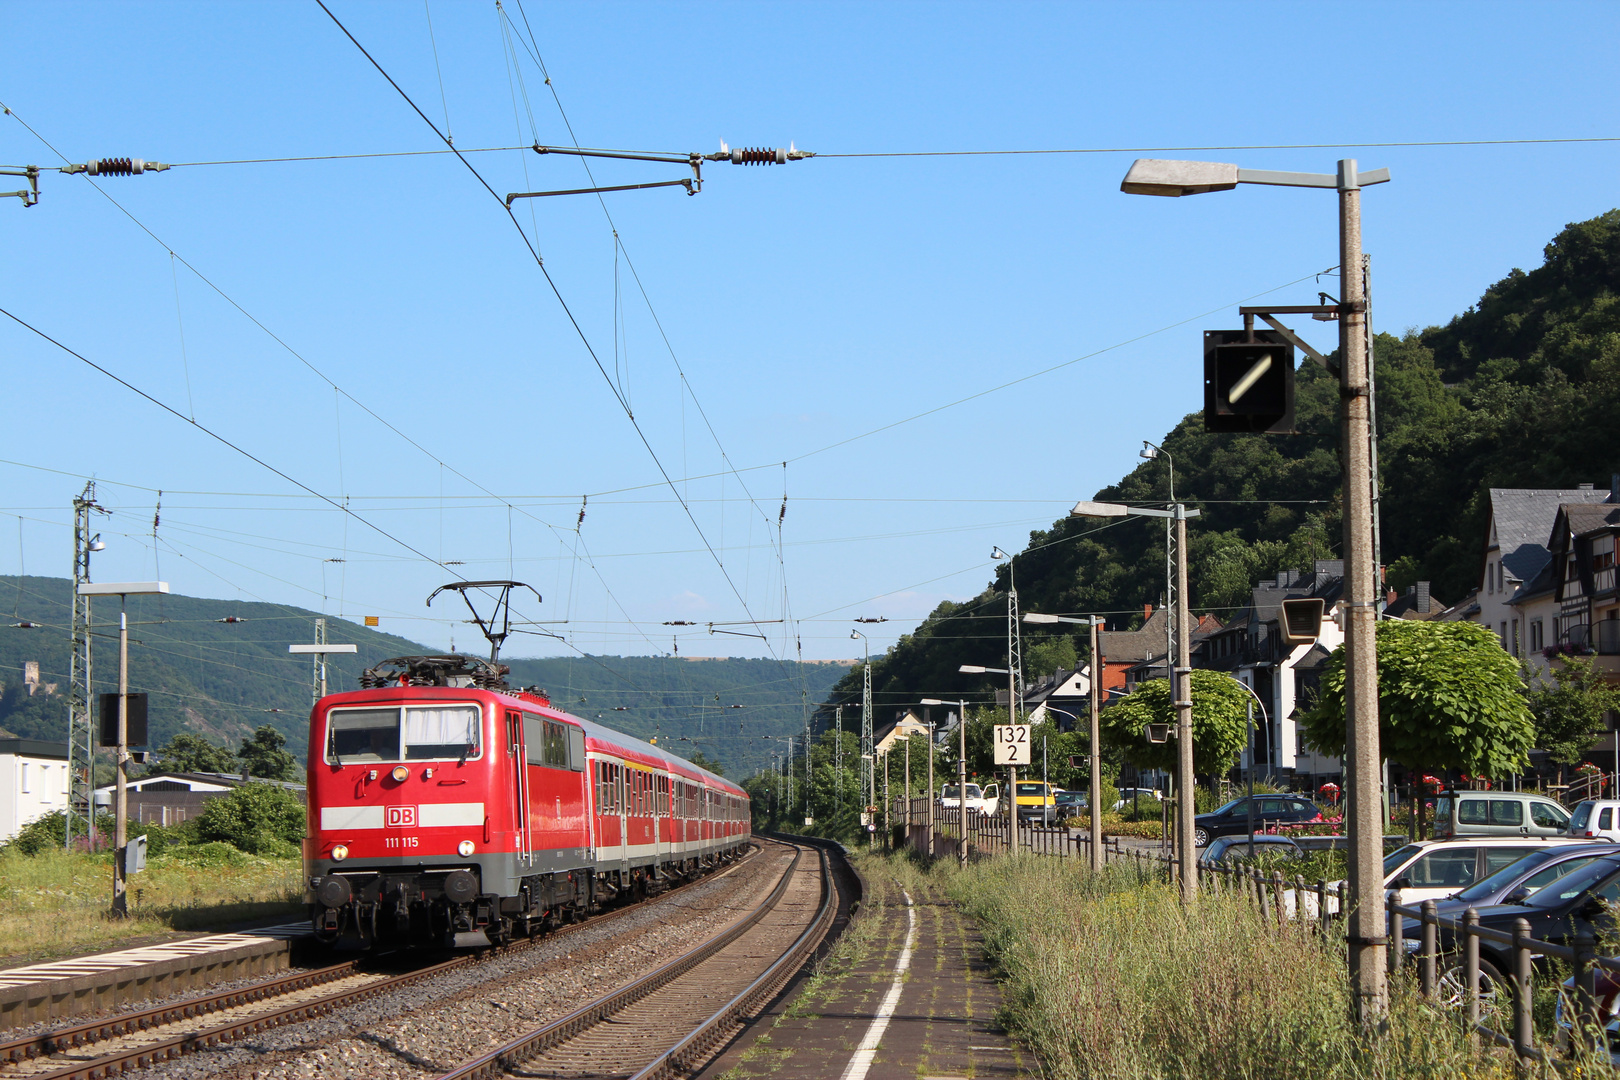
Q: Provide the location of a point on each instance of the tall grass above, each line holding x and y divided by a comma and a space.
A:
56, 903
1108, 976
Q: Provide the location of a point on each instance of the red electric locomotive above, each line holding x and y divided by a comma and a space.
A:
441, 803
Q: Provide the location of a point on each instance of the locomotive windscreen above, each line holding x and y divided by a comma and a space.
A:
426, 734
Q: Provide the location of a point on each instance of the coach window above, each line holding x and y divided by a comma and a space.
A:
439, 733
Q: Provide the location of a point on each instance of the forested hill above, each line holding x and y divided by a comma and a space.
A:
221, 680
1521, 390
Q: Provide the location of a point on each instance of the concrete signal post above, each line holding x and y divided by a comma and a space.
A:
1366, 929
123, 590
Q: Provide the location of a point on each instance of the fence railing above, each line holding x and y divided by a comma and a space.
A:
1294, 902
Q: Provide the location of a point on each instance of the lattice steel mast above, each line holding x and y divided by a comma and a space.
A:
81, 819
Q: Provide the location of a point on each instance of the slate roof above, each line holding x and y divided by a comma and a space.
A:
1122, 646
1583, 518
1523, 516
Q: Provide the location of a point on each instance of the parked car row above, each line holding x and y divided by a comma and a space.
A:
1037, 800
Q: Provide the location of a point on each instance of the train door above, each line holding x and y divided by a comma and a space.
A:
519, 785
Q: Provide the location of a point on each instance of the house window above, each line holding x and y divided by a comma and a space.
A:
45, 784
1490, 578
1503, 633
1537, 635
26, 779
1515, 637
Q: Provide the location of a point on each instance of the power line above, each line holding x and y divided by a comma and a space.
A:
1206, 149
573, 321
302, 359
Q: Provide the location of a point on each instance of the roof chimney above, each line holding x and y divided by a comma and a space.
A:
1423, 597
1147, 611
1614, 487
1584, 487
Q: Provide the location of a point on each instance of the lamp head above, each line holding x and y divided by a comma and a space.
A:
96, 543
1149, 451
997, 553
1150, 176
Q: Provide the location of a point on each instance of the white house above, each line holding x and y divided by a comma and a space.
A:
36, 782
1515, 597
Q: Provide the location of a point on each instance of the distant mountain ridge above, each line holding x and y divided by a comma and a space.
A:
221, 680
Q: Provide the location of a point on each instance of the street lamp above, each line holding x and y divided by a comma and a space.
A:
1364, 814
868, 762
1265, 720
123, 590
961, 772
1180, 678
1095, 815
1012, 770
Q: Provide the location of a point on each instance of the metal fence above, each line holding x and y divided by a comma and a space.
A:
1444, 978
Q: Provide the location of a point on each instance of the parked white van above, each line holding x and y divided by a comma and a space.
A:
1596, 819
984, 800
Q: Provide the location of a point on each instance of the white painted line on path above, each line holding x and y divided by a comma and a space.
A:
867, 1050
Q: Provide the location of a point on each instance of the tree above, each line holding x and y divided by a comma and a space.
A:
263, 755
1449, 697
260, 819
1569, 709
1219, 723
193, 753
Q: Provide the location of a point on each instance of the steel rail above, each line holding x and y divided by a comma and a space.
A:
94, 1031
169, 1049
697, 1047
513, 1053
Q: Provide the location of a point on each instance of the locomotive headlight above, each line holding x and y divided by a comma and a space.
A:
465, 848
340, 852
400, 772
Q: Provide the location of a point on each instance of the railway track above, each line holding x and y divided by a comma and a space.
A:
140, 1039
669, 1022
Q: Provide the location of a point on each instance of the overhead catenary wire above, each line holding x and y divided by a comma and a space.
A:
287, 347
557, 292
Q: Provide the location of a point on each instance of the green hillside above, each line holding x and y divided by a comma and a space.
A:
1521, 390
222, 680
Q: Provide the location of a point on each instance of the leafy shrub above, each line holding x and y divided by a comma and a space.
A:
255, 818
48, 832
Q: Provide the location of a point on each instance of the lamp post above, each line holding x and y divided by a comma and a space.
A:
1249, 707
961, 775
1366, 930
868, 754
1095, 681
123, 590
1180, 680
1012, 770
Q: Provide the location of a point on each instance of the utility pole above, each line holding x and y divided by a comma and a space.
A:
838, 760
81, 802
1181, 686
1096, 747
868, 760
1367, 932
1014, 685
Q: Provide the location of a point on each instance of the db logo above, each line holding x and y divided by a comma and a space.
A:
399, 817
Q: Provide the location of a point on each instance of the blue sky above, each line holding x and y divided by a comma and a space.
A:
809, 306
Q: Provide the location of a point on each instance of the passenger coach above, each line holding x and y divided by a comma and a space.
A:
441, 802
